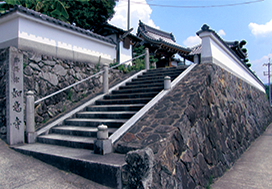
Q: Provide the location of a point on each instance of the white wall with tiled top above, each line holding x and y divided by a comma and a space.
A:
214, 51
30, 33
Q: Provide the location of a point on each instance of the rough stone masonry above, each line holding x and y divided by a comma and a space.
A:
199, 129
45, 75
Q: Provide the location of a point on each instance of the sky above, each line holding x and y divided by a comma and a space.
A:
233, 20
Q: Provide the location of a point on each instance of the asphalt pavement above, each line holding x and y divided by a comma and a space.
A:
24, 172
252, 171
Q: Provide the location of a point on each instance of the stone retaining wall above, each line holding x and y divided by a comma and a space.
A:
199, 129
45, 75
3, 58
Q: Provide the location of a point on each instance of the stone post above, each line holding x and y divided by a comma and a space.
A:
106, 79
167, 83
103, 144
196, 59
30, 118
146, 59
15, 101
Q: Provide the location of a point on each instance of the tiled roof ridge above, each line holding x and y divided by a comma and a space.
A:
195, 46
54, 21
174, 45
205, 27
157, 31
120, 29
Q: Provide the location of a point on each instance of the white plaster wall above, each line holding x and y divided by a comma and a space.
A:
215, 51
48, 38
8, 29
125, 54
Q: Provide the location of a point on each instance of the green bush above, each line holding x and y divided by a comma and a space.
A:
137, 64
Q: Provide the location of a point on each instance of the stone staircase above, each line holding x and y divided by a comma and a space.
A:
69, 146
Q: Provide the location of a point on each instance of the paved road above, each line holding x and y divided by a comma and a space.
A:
254, 169
24, 172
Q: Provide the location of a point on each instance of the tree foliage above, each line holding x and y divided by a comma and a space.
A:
87, 14
90, 14
137, 64
53, 8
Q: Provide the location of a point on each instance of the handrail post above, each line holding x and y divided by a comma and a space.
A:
103, 144
30, 117
106, 79
167, 83
146, 59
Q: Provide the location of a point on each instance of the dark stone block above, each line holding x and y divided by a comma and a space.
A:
146, 129
135, 129
167, 121
164, 129
162, 115
178, 143
128, 137
141, 136
203, 166
193, 144
208, 152
187, 158
191, 113
124, 148
140, 168
151, 139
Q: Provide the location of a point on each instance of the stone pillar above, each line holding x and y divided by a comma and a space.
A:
146, 59
30, 118
106, 79
103, 144
207, 38
196, 59
167, 82
14, 102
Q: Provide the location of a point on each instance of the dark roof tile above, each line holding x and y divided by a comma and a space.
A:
154, 35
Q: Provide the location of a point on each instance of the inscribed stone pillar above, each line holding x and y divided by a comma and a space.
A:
14, 102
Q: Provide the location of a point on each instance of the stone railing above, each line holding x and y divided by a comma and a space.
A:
30, 103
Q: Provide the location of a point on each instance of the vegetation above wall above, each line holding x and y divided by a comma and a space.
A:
139, 63
83, 13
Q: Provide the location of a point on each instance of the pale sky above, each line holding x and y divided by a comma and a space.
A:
233, 20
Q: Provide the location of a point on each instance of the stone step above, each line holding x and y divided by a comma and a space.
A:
113, 123
67, 140
78, 131
106, 115
115, 107
131, 95
145, 82
123, 101
160, 73
105, 170
171, 69
142, 86
138, 90
69, 146
155, 77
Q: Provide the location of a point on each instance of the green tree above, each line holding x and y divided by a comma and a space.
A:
87, 14
90, 14
53, 8
137, 51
